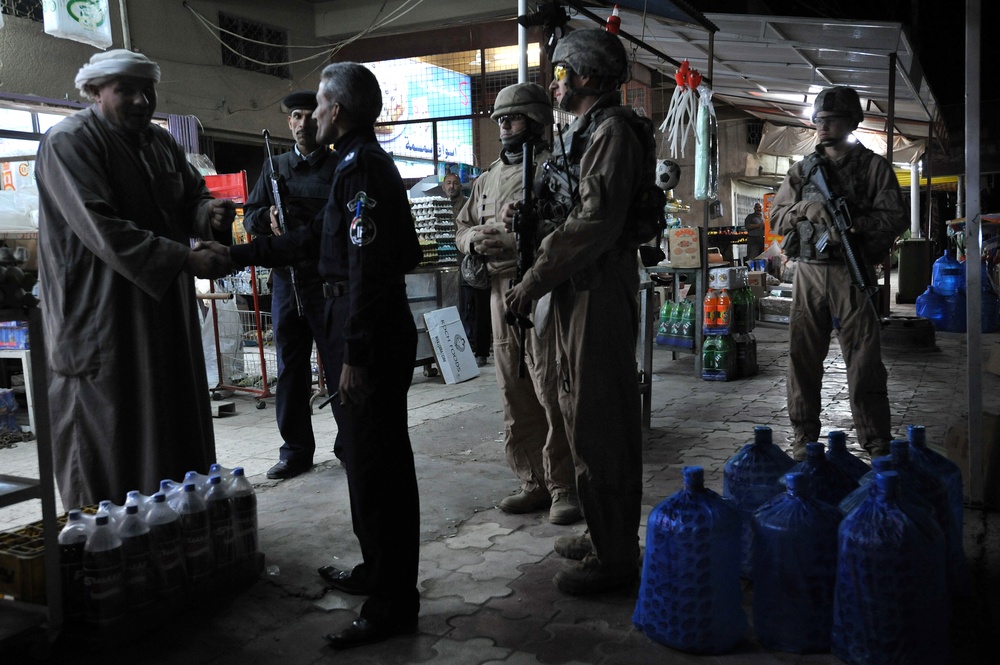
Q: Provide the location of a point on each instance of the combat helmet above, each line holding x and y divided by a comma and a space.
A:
842, 100
594, 52
530, 99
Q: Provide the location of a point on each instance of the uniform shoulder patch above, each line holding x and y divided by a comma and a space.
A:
363, 230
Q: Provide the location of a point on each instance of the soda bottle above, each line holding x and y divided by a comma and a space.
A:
708, 353
687, 324
663, 332
724, 317
196, 534
245, 513
167, 545
725, 357
103, 575
140, 578
220, 516
72, 539
711, 310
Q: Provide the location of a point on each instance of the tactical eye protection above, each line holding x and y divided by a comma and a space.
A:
510, 118
828, 120
559, 72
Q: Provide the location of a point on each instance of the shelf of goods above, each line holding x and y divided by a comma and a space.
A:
729, 349
29, 556
435, 229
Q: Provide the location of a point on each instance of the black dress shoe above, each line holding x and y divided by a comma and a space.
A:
343, 580
363, 631
284, 470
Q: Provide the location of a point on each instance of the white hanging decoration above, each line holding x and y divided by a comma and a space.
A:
682, 111
87, 21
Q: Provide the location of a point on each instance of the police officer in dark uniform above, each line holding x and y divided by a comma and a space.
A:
296, 307
367, 243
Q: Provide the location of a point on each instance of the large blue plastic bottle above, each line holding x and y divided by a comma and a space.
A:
942, 468
751, 477
866, 485
931, 306
947, 275
837, 452
829, 482
795, 566
690, 597
890, 603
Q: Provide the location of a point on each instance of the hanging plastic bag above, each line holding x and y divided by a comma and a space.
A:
86, 21
706, 148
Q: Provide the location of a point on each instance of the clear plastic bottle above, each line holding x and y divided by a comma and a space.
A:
245, 512
222, 521
140, 576
72, 539
115, 512
196, 533
690, 598
104, 575
167, 546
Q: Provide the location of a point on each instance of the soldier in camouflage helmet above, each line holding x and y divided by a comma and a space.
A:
823, 298
588, 268
535, 441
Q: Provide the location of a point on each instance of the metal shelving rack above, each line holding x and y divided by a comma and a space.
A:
19, 617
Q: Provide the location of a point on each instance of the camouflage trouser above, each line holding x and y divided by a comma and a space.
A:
823, 300
535, 441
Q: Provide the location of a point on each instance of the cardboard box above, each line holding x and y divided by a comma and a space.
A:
776, 309
727, 278
685, 247
451, 348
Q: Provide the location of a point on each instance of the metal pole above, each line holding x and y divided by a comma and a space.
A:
522, 44
914, 200
973, 15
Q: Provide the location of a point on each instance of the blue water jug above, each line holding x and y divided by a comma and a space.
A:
955, 313
829, 482
690, 597
795, 565
751, 477
939, 466
947, 275
837, 452
930, 305
866, 485
889, 602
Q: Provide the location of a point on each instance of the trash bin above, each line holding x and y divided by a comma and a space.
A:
914, 269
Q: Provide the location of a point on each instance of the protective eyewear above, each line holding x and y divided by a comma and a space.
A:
559, 72
511, 118
828, 120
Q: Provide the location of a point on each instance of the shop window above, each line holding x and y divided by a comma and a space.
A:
253, 46
29, 9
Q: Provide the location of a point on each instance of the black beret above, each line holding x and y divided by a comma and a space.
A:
300, 99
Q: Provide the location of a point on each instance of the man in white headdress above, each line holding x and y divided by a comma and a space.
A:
119, 206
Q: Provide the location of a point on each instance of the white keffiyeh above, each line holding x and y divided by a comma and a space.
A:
118, 62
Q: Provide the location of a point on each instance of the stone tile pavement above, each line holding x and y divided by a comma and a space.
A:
485, 577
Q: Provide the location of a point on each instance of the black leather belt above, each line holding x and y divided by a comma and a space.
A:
335, 289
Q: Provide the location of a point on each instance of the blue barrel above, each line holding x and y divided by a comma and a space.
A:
829, 482
890, 602
751, 477
690, 598
837, 452
795, 566
939, 466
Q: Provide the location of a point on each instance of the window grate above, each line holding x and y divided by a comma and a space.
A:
755, 131
253, 46
29, 9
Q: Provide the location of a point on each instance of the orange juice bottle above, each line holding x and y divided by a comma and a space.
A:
711, 309
724, 316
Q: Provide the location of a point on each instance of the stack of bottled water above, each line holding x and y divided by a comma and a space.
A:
191, 536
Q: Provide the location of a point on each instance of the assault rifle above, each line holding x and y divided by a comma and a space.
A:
837, 207
524, 227
279, 189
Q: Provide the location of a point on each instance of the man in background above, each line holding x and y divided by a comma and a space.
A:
118, 207
296, 308
535, 441
473, 303
754, 224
